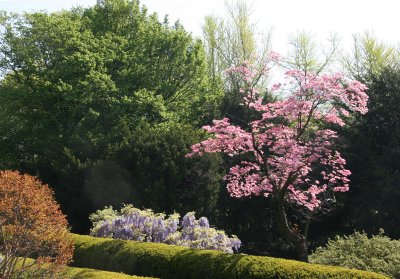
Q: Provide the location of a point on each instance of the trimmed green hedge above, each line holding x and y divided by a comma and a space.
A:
167, 261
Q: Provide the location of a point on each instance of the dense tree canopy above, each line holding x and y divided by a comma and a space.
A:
80, 86
373, 152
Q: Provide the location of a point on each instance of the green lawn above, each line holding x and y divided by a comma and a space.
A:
89, 273
86, 273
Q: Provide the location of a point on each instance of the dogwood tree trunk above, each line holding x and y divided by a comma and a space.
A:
291, 234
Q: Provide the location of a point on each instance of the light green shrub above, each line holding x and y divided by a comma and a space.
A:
378, 254
108, 213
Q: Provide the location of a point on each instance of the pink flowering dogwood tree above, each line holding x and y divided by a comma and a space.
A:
290, 154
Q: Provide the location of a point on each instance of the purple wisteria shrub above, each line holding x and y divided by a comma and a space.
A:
145, 225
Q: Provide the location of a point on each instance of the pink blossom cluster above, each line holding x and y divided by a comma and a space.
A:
290, 150
245, 71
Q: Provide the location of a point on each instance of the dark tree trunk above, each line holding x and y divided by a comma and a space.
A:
301, 248
291, 234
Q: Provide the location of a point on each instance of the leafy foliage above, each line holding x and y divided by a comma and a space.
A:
378, 254
168, 261
369, 57
162, 178
118, 80
145, 225
373, 152
31, 225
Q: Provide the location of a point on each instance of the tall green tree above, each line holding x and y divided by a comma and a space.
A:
77, 89
369, 57
371, 142
373, 155
233, 41
307, 55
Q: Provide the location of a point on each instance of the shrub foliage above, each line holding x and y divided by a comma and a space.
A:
378, 253
31, 225
167, 261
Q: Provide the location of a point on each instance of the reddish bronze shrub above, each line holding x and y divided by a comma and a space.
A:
31, 226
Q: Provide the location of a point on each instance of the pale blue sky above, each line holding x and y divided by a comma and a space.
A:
319, 17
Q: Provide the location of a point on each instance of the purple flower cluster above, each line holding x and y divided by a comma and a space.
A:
145, 225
